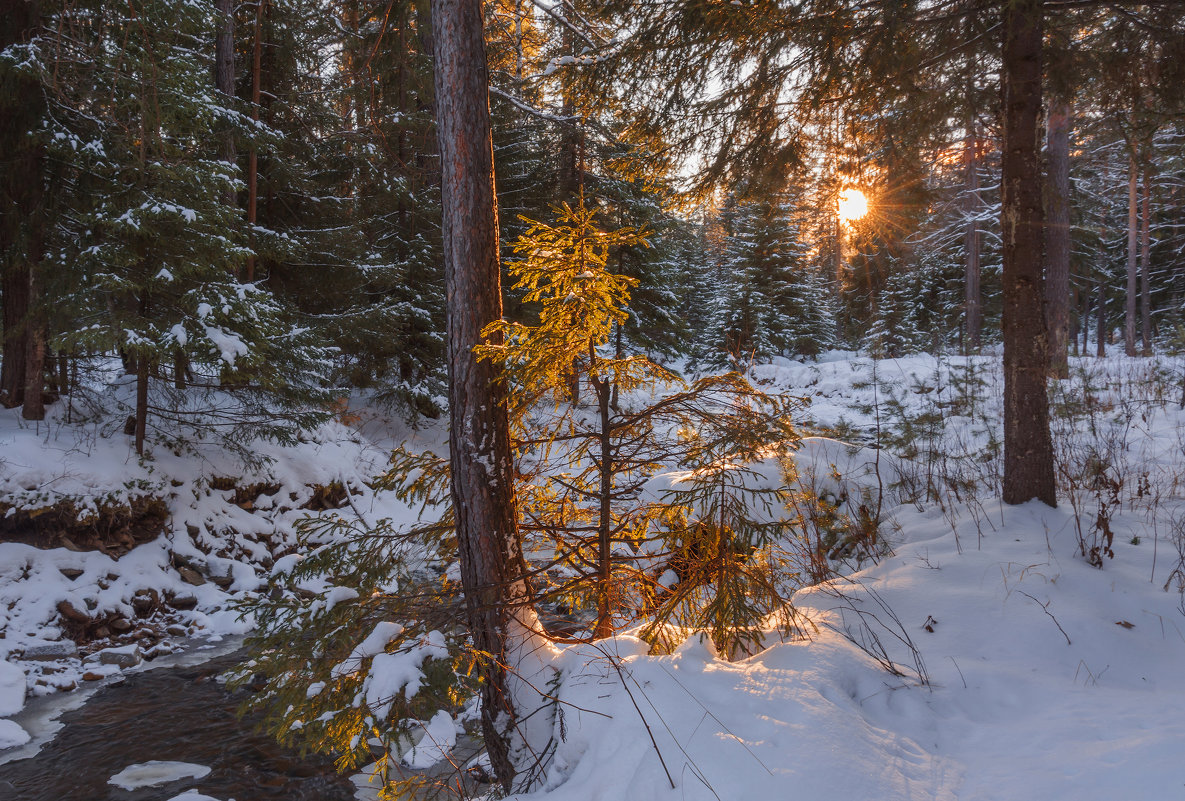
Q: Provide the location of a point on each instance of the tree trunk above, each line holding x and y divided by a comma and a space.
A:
141, 402
971, 243
16, 312
33, 407
1028, 448
180, 368
479, 438
1101, 332
224, 74
253, 158
22, 109
64, 372
1146, 265
1057, 239
1129, 317
605, 606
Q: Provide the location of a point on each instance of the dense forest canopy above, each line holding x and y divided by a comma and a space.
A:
576, 230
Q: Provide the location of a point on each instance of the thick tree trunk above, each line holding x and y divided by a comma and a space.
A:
34, 405
971, 243
16, 311
1057, 239
1146, 264
22, 108
479, 439
1129, 316
1028, 448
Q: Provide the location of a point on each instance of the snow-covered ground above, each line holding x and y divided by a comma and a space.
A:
1019, 670
1024, 671
216, 542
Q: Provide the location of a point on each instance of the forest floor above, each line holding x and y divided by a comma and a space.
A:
973, 651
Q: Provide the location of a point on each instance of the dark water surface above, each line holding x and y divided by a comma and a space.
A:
170, 714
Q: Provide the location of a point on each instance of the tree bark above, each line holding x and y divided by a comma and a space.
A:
1057, 239
33, 407
605, 604
224, 74
1101, 319
1028, 448
479, 439
253, 158
1146, 264
971, 243
1129, 316
141, 402
22, 108
16, 310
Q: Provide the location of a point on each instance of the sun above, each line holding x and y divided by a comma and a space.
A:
852, 205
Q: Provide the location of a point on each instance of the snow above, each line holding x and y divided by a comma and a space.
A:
1032, 675
1024, 671
438, 740
92, 464
193, 795
12, 689
156, 773
11, 734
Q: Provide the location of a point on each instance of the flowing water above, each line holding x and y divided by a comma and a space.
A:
170, 714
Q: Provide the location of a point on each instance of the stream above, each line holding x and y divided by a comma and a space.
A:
177, 713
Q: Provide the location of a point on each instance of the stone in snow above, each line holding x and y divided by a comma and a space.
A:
124, 657
51, 650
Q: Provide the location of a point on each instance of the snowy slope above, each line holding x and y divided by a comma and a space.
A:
208, 532
1045, 677
1013, 710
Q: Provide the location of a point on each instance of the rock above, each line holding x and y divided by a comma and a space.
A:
51, 650
183, 602
125, 657
223, 582
120, 625
73, 613
191, 576
176, 630
70, 572
89, 676
145, 602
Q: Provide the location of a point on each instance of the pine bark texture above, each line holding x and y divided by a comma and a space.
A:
479, 438
1129, 309
21, 202
1146, 263
1057, 239
1028, 448
33, 407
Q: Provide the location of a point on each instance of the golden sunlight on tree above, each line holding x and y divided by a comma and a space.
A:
852, 205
